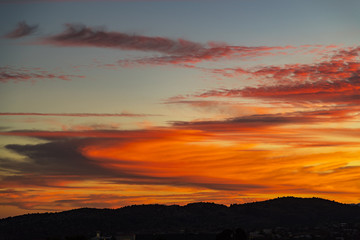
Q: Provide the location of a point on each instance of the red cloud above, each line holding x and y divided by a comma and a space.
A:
331, 70
340, 91
342, 64
335, 80
347, 54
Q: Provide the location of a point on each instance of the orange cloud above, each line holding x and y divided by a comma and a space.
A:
255, 155
219, 162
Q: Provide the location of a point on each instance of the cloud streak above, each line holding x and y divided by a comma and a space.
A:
8, 74
166, 50
210, 52
339, 92
269, 123
82, 36
173, 51
124, 114
336, 65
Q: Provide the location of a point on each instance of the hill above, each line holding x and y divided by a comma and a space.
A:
194, 217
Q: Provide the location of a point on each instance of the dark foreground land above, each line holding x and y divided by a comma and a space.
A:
281, 218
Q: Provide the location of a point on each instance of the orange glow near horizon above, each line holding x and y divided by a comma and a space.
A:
178, 166
235, 165
226, 164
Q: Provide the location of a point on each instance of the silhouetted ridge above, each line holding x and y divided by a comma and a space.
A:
193, 217
208, 205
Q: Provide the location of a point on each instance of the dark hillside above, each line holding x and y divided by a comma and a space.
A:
192, 218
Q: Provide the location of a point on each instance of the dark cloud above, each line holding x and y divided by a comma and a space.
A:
50, 164
173, 51
246, 123
57, 158
80, 35
22, 30
209, 52
262, 122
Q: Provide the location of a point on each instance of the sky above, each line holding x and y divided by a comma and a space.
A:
118, 102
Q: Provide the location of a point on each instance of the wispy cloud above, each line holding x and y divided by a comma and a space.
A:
173, 51
124, 114
265, 122
210, 52
343, 63
338, 92
335, 81
80, 35
22, 30
168, 50
23, 74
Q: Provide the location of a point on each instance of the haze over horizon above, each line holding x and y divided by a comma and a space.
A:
112, 103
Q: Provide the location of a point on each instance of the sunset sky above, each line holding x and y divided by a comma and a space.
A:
119, 102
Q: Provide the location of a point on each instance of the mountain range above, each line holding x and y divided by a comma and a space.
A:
199, 217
